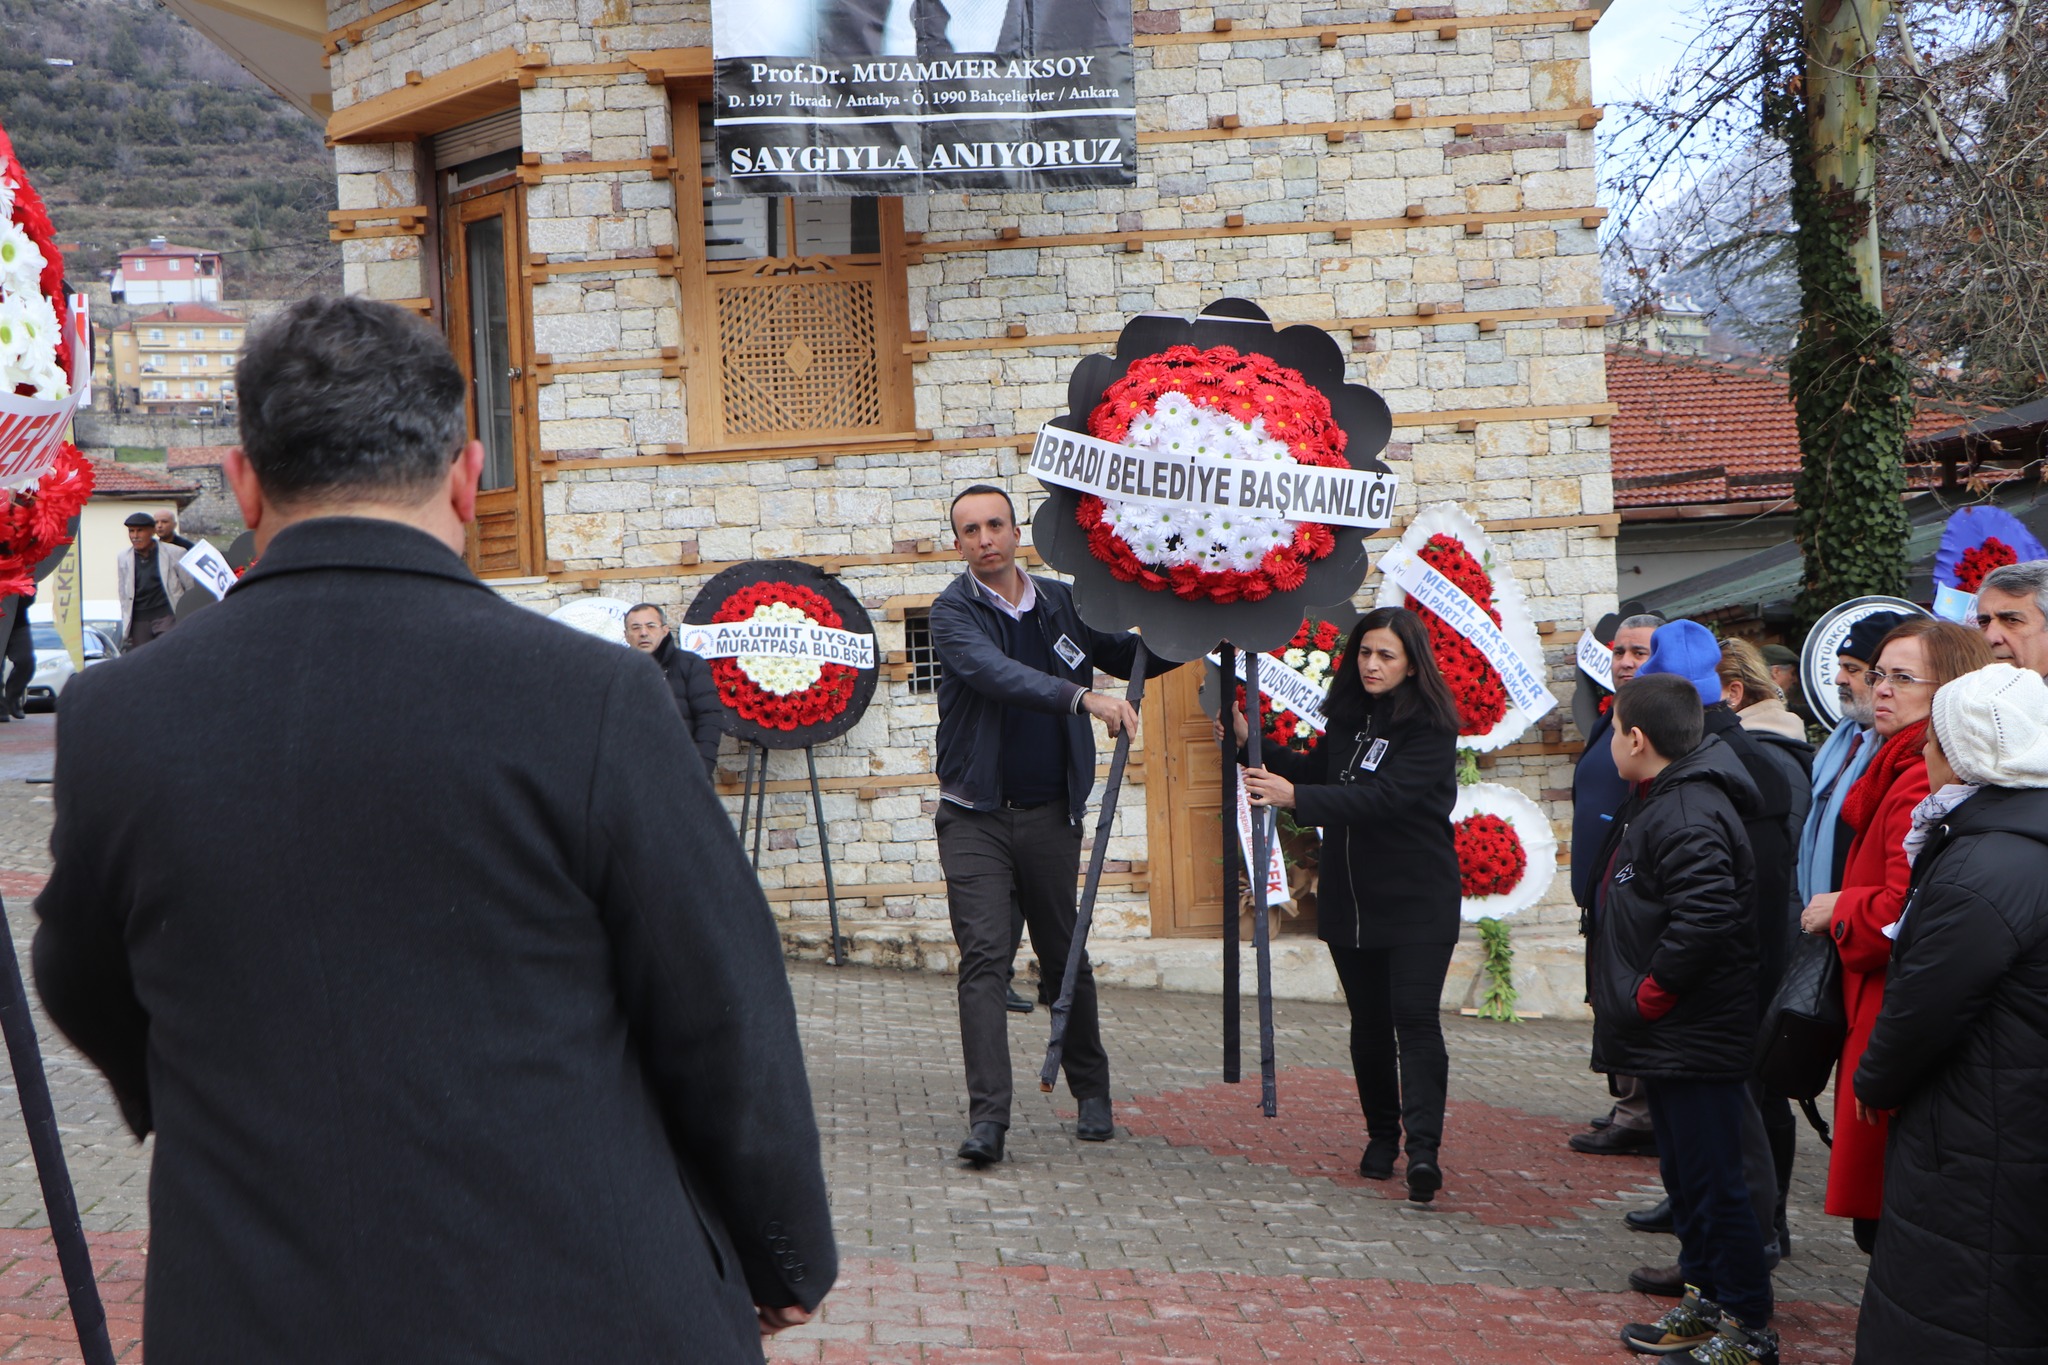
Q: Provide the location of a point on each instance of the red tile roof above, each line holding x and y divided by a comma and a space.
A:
168, 249
184, 313
190, 457
118, 479
1693, 431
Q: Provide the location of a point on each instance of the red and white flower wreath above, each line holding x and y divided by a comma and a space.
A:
1455, 545
36, 361
1507, 853
1218, 401
776, 691
1312, 653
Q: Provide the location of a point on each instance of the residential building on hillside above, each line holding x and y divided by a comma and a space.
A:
179, 361
163, 273
669, 382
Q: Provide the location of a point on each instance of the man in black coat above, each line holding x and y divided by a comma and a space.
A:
1016, 760
458, 1016
1597, 793
1673, 960
689, 678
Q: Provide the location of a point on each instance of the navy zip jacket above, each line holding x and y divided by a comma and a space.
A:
977, 680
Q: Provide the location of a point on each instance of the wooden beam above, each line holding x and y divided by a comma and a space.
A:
353, 33
534, 174
1569, 18
488, 84
1601, 524
457, 95
1425, 315
1351, 225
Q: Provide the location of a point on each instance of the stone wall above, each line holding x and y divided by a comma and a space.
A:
1480, 133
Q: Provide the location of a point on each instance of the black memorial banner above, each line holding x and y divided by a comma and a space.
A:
874, 97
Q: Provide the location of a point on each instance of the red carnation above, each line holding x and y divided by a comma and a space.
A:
1491, 859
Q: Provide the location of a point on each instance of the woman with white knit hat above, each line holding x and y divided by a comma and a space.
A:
1959, 1054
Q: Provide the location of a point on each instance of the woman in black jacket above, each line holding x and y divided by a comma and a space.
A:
1381, 785
1959, 1053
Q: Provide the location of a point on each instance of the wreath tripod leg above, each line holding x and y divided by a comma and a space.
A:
1262, 940
824, 853
1232, 1007
1076, 948
88, 1315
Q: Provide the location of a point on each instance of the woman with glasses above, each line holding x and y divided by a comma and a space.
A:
1914, 658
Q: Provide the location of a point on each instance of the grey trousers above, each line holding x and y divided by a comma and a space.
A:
1631, 1103
992, 860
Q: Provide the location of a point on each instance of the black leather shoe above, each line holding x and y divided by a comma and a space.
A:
1095, 1123
20, 709
1666, 1282
984, 1145
1651, 1220
1377, 1161
1015, 1003
1424, 1179
1614, 1141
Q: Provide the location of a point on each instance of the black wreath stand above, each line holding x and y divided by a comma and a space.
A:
1261, 854
1077, 948
39, 1116
757, 787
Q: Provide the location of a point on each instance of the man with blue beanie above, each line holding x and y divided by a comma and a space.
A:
1688, 650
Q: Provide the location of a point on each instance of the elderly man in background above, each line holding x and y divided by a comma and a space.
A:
1597, 793
689, 678
148, 581
1824, 841
167, 530
2012, 611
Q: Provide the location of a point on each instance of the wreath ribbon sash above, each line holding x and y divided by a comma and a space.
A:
1316, 493
1596, 660
756, 639
32, 429
1465, 616
1291, 688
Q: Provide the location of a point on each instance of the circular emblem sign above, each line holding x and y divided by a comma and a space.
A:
1817, 661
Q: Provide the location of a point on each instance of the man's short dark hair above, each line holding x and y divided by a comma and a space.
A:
645, 606
974, 488
1666, 708
346, 397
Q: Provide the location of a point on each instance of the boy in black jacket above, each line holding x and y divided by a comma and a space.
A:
1674, 962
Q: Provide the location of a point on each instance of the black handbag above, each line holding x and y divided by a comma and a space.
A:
1805, 1026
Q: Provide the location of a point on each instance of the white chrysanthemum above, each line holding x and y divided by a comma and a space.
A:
1214, 539
1319, 660
777, 673
1294, 658
21, 261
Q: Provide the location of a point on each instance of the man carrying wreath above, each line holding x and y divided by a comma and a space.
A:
1016, 760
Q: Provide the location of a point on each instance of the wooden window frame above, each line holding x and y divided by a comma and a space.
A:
694, 278
453, 311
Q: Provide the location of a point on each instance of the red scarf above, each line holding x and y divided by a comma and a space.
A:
1899, 753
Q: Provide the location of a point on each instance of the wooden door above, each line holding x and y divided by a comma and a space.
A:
487, 327
1183, 805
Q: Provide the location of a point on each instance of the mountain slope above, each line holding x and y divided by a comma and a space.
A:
153, 130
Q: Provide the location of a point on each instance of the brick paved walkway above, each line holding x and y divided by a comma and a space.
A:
1205, 1232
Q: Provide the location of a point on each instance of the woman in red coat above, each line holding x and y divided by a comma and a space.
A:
1914, 659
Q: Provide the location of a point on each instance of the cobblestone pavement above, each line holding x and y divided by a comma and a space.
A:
1205, 1232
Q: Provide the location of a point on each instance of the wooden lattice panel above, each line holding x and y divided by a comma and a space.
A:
798, 355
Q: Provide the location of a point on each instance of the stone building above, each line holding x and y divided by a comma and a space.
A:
670, 383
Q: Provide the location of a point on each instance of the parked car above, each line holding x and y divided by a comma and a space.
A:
53, 662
